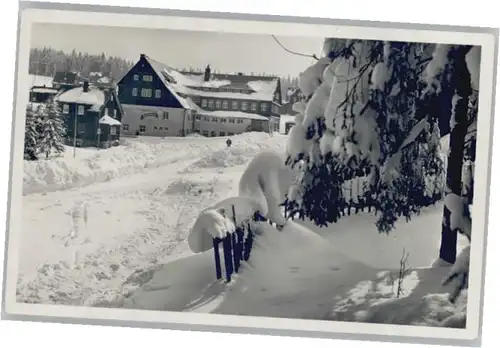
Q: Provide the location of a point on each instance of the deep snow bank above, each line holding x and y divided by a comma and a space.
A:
279, 280
135, 155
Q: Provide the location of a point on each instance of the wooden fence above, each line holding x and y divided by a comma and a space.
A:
236, 247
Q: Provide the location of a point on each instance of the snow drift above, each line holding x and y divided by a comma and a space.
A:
134, 156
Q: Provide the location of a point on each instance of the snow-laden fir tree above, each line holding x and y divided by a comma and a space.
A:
31, 135
361, 115
52, 130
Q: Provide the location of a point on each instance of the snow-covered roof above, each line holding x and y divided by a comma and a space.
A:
158, 68
109, 121
38, 80
44, 90
231, 114
245, 87
77, 95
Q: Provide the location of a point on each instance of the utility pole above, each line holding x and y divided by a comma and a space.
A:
74, 130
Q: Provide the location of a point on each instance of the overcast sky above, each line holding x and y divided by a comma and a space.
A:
223, 51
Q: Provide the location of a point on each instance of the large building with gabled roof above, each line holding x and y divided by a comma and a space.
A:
159, 100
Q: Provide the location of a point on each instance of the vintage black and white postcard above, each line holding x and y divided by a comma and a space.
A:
249, 173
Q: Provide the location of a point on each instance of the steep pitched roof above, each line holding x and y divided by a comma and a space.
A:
159, 69
237, 86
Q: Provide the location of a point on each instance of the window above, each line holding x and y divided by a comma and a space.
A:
198, 117
244, 106
203, 103
235, 105
231, 120
33, 98
146, 92
81, 110
213, 134
217, 104
222, 134
229, 133
240, 121
160, 128
142, 128
211, 104
158, 93
136, 77
165, 115
65, 108
254, 106
263, 107
134, 92
205, 133
214, 119
155, 128
147, 78
205, 118
225, 104
165, 130
125, 127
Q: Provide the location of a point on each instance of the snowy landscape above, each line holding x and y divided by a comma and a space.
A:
353, 215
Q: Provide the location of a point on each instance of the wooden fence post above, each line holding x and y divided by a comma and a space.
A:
228, 262
218, 270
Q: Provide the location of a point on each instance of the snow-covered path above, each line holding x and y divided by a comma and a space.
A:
80, 245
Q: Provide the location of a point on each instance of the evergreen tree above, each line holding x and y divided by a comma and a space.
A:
53, 130
365, 111
31, 135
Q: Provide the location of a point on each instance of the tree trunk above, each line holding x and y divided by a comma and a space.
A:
460, 80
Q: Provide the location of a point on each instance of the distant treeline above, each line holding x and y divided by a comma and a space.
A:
46, 61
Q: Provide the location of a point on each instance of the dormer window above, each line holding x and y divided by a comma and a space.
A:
147, 78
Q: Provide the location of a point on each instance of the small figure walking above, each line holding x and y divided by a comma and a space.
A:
228, 142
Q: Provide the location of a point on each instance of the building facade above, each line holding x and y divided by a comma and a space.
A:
150, 106
87, 112
159, 100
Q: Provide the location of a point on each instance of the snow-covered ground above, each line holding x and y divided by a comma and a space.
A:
144, 199
90, 165
116, 235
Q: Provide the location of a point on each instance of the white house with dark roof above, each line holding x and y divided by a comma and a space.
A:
160, 100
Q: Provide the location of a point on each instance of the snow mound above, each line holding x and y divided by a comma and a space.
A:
238, 154
135, 155
218, 220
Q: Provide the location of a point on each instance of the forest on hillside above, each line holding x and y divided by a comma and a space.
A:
46, 61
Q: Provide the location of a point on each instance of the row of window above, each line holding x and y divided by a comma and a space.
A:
235, 105
214, 134
218, 119
145, 78
80, 109
146, 93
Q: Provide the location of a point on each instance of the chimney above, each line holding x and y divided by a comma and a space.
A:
85, 86
207, 73
143, 56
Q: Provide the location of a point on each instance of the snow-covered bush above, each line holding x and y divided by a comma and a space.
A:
362, 114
